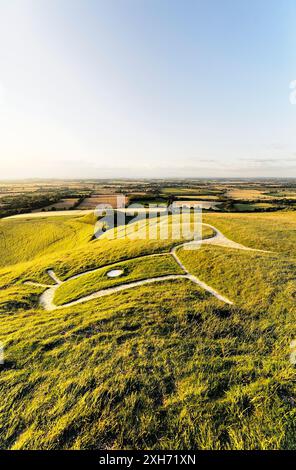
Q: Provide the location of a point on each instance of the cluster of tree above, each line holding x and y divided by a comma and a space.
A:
230, 205
23, 203
78, 202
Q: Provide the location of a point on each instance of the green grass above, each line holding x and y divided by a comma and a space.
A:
254, 281
142, 371
22, 240
167, 367
133, 270
266, 231
18, 296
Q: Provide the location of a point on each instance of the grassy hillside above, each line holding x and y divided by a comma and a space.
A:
162, 366
23, 240
252, 280
266, 231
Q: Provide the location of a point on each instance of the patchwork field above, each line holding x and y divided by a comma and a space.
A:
189, 191
248, 207
230, 195
63, 204
247, 194
201, 204
166, 364
111, 199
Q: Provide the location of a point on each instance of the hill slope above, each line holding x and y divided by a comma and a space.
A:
161, 366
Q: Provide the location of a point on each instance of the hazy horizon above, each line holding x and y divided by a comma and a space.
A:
158, 89
37, 179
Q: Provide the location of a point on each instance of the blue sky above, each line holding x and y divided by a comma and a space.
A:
149, 88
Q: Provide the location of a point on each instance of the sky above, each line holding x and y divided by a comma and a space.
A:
147, 88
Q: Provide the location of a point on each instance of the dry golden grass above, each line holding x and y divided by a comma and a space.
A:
247, 194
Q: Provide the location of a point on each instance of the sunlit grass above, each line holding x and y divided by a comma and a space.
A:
162, 367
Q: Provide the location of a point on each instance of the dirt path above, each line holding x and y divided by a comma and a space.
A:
46, 299
54, 277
